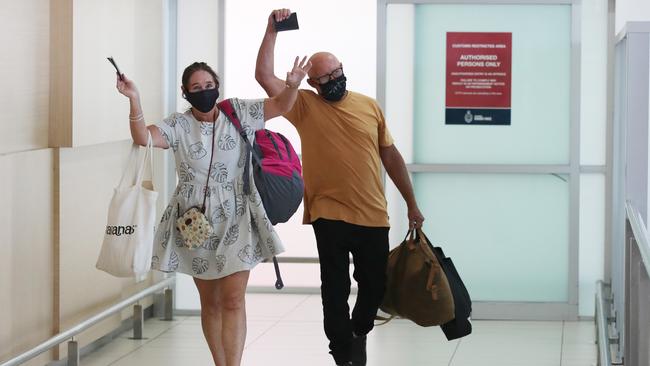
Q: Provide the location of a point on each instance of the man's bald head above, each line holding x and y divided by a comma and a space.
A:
323, 63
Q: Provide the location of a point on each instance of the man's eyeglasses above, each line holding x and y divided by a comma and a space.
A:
337, 73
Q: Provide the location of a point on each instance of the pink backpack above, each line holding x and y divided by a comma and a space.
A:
276, 170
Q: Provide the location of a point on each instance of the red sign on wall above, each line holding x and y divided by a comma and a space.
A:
478, 78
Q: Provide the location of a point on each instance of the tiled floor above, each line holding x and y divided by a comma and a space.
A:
286, 330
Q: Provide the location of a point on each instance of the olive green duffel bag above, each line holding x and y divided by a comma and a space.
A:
417, 287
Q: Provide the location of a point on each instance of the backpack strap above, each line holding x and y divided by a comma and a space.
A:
286, 146
278, 282
227, 108
383, 319
275, 144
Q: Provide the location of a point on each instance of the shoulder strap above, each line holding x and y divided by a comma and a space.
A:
207, 183
227, 108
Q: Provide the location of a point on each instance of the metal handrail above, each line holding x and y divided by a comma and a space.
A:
298, 260
62, 337
640, 234
602, 328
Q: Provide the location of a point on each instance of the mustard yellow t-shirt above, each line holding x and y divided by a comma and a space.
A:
340, 157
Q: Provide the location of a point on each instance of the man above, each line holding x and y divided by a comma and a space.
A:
344, 140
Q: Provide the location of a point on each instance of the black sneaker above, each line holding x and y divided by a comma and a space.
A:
342, 363
358, 350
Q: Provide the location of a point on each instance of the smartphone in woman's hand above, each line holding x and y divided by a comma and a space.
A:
119, 73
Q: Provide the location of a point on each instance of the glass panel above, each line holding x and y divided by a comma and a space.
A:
508, 234
298, 239
301, 275
593, 80
243, 38
293, 275
186, 295
539, 130
592, 239
400, 64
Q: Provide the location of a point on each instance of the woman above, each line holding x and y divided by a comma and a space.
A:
242, 235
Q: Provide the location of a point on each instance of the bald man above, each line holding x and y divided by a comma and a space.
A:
344, 143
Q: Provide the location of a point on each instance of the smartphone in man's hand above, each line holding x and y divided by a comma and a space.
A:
119, 73
290, 23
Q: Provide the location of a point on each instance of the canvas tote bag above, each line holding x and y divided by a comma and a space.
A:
128, 240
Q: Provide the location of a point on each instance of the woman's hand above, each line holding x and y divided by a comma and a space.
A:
299, 71
127, 87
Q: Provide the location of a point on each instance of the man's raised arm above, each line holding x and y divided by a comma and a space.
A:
264, 69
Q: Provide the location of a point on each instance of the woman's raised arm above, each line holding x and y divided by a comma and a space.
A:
127, 88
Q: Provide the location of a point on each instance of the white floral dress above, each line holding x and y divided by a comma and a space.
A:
243, 236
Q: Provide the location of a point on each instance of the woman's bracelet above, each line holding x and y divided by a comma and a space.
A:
291, 86
136, 118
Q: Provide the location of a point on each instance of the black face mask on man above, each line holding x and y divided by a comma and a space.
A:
334, 89
203, 100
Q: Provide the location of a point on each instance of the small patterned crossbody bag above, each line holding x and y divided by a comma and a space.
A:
193, 225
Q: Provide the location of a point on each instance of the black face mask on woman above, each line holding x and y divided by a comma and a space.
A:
334, 89
203, 100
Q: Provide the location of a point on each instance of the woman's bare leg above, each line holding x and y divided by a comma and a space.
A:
232, 291
211, 318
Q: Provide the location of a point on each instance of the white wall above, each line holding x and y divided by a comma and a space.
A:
197, 39
54, 199
25, 75
26, 267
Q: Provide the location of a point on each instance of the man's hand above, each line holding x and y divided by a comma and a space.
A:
415, 218
277, 15
299, 71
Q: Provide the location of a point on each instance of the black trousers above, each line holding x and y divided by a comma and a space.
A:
369, 248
